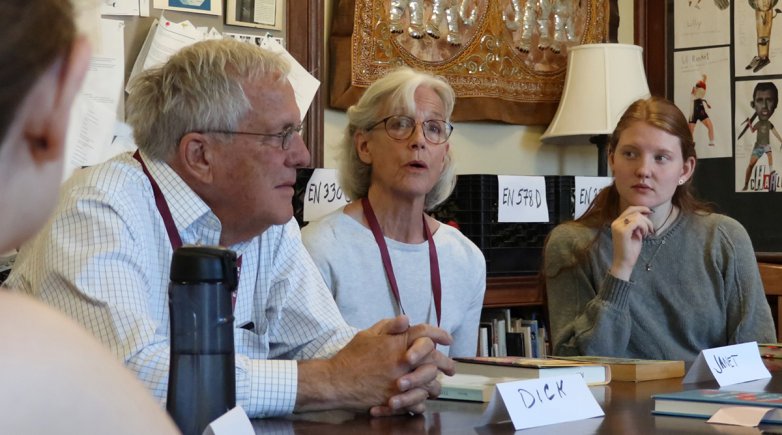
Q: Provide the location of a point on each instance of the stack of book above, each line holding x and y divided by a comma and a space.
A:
635, 370
476, 377
516, 367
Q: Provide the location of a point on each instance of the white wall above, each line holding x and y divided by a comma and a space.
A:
495, 148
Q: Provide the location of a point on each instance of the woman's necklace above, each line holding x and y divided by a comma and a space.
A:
662, 242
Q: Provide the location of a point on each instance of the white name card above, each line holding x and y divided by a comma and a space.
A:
323, 194
539, 402
586, 190
233, 422
729, 365
521, 199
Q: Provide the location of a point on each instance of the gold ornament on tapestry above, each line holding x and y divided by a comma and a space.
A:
512, 49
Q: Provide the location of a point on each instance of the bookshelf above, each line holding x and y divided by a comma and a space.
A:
507, 299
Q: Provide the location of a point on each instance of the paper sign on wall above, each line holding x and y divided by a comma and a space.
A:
323, 194
539, 402
95, 107
305, 85
728, 365
521, 199
586, 190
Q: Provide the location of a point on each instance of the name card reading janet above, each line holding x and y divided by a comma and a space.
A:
539, 402
323, 194
728, 365
521, 199
586, 190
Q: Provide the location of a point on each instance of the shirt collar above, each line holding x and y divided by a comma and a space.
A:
190, 213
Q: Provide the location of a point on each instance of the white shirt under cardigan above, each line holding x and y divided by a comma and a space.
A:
348, 257
104, 260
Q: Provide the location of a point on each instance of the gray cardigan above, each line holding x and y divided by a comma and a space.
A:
702, 290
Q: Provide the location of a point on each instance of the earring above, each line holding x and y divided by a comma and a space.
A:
681, 182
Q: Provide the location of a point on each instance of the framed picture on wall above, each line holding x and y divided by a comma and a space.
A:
264, 14
210, 7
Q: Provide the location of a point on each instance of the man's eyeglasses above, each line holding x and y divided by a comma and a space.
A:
280, 140
401, 127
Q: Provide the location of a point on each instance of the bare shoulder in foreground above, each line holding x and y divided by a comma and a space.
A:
57, 379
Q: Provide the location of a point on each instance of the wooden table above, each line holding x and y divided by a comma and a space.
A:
627, 406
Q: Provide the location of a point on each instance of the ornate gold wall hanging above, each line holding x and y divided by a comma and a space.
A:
506, 59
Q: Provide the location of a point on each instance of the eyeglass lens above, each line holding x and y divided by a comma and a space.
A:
401, 127
288, 133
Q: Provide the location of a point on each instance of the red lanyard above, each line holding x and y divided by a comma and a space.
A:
168, 220
434, 265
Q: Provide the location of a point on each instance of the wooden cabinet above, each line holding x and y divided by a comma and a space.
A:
513, 291
770, 265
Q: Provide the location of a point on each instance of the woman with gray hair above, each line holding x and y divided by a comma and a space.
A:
382, 255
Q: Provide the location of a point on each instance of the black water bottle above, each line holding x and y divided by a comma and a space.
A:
202, 381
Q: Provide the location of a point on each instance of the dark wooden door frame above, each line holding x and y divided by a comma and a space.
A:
304, 34
651, 33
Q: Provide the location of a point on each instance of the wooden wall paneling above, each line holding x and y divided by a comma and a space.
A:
304, 35
651, 33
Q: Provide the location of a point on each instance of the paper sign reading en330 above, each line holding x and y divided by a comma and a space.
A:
521, 199
323, 194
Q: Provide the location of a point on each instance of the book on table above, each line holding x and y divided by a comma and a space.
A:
704, 403
770, 350
529, 368
633, 369
470, 388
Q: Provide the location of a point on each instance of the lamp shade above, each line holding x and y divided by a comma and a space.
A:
602, 80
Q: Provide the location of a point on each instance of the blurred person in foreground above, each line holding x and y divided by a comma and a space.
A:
55, 377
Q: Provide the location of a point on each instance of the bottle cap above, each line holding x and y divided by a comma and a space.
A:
191, 264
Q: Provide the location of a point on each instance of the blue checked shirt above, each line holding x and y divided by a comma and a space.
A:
104, 260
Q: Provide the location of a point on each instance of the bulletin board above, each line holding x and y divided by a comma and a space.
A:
305, 44
724, 41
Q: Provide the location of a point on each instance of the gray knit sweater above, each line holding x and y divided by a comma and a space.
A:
702, 290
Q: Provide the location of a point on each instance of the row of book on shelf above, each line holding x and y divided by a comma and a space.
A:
501, 334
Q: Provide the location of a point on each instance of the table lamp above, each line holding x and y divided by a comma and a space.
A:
602, 80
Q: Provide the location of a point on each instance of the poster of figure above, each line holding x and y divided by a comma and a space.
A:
758, 139
701, 23
702, 92
758, 42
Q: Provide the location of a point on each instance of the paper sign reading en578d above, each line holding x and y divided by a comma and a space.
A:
521, 199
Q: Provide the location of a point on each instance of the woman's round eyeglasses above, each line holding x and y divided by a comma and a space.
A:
401, 127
